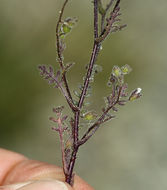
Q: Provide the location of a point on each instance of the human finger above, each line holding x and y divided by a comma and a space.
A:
20, 169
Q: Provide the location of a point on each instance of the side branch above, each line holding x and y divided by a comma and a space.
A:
60, 57
94, 127
103, 15
106, 30
57, 35
48, 74
101, 120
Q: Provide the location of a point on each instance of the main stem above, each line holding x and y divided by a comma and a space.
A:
69, 175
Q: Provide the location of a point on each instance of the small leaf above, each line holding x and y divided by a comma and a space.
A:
51, 69
59, 109
97, 68
53, 119
57, 74
55, 129
126, 69
114, 109
76, 93
64, 118
89, 116
112, 80
62, 36
66, 28
122, 102
123, 90
106, 101
116, 71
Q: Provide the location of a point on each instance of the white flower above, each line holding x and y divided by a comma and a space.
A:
138, 90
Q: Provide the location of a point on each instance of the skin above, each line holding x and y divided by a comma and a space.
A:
18, 172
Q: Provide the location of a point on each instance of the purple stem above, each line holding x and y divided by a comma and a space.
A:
82, 97
104, 15
101, 120
59, 53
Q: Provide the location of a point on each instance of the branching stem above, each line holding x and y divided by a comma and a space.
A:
97, 124
118, 96
105, 30
83, 93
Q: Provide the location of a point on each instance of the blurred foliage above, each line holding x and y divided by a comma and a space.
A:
128, 153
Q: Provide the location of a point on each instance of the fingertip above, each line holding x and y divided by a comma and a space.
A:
46, 185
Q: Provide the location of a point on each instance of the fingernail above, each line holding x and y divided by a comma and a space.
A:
45, 185
15, 186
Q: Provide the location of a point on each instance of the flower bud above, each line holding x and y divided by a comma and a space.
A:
116, 71
135, 94
126, 69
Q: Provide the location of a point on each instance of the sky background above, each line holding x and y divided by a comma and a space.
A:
128, 153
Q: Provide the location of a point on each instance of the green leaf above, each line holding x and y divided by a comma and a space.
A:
126, 69
66, 28
62, 36
116, 71
89, 116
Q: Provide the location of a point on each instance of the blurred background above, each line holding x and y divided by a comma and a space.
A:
128, 153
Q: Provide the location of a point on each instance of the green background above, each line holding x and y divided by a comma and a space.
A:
128, 153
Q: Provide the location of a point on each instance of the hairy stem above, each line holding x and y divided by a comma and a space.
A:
97, 124
69, 176
57, 35
62, 146
103, 118
82, 97
103, 17
59, 53
93, 56
89, 72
